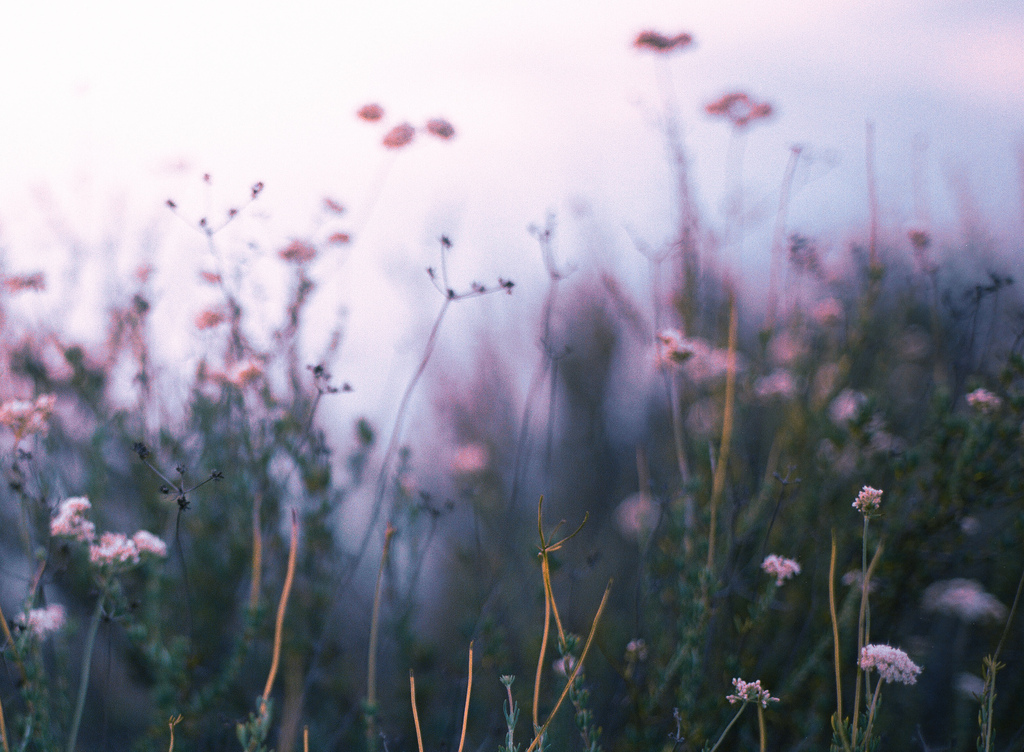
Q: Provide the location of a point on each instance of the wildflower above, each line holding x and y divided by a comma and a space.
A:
26, 417
652, 40
750, 692
846, 406
41, 621
333, 206
242, 373
984, 401
441, 128
371, 113
636, 516
564, 665
147, 543
672, 349
19, 283
827, 312
339, 238
636, 650
891, 663
739, 109
208, 319
210, 278
855, 577
963, 598
298, 252
114, 548
399, 136
470, 458
779, 383
919, 238
786, 348
70, 521
782, 568
867, 500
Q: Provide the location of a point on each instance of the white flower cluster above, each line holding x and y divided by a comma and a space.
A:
984, 401
750, 692
964, 599
41, 621
780, 567
25, 417
112, 548
891, 663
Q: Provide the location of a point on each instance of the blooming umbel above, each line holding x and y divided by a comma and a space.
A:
441, 128
114, 548
891, 663
298, 252
984, 401
964, 599
41, 621
739, 109
26, 417
780, 567
371, 113
867, 500
147, 543
750, 692
399, 136
70, 521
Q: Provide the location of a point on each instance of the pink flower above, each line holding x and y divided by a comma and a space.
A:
656, 42
208, 319
739, 109
371, 113
441, 128
70, 523
750, 692
984, 401
780, 567
846, 406
298, 252
147, 543
41, 621
19, 283
868, 500
779, 383
399, 136
891, 663
114, 548
963, 598
26, 417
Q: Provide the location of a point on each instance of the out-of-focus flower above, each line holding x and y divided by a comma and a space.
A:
785, 348
470, 458
70, 521
564, 665
750, 692
298, 252
827, 312
739, 109
706, 363
242, 373
209, 318
41, 621
919, 238
22, 282
657, 42
339, 238
441, 128
333, 206
26, 417
892, 664
636, 650
371, 113
846, 406
970, 525
964, 599
855, 577
984, 401
780, 567
636, 516
210, 278
971, 685
399, 136
147, 543
672, 348
779, 383
868, 500
112, 549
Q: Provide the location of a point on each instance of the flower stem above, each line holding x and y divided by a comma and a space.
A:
731, 724
83, 681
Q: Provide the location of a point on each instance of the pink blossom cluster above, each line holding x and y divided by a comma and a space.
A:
827, 312
846, 406
41, 621
673, 349
780, 383
112, 548
964, 599
867, 500
780, 567
25, 417
891, 663
70, 521
750, 692
984, 401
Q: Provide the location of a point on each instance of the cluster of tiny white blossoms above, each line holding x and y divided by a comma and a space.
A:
782, 568
983, 401
112, 548
41, 621
750, 692
867, 500
891, 663
25, 417
964, 599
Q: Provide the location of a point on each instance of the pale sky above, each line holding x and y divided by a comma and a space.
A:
110, 107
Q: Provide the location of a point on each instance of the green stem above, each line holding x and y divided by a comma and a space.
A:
731, 724
871, 715
83, 682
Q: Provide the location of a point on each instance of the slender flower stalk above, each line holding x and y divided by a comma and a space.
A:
718, 485
83, 680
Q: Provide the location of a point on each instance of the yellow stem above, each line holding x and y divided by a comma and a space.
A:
257, 553
415, 713
469, 689
761, 728
835, 642
279, 624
